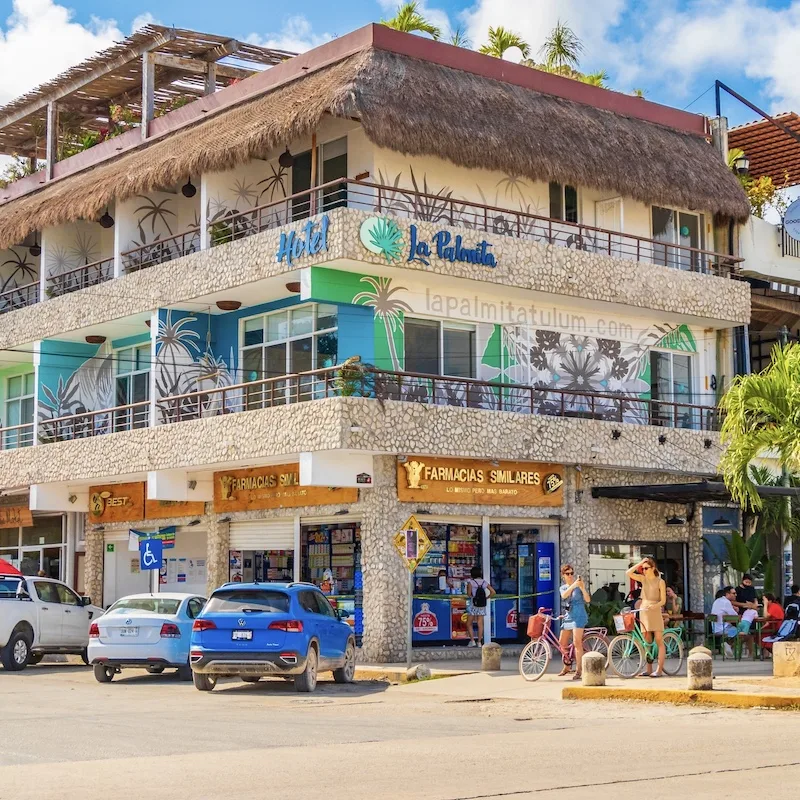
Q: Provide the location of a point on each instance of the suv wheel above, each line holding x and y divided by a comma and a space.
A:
348, 670
153, 670
16, 653
185, 673
307, 680
251, 678
203, 682
103, 674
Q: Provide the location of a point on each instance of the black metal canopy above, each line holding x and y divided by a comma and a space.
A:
697, 492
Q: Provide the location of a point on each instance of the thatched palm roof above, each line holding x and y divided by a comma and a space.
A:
418, 108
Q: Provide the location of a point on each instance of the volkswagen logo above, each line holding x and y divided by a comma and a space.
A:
242, 622
128, 621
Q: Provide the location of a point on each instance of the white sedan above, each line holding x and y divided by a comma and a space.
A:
144, 631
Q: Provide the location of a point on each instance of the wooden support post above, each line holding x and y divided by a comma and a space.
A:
51, 132
313, 205
211, 78
148, 91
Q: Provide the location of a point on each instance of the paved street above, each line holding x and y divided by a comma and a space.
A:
468, 737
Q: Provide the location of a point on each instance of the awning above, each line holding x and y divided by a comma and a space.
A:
698, 492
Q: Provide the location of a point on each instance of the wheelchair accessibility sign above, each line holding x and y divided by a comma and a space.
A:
150, 553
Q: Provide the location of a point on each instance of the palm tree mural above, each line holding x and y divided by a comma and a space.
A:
84, 250
388, 309
155, 213
502, 39
22, 271
409, 20
177, 348
274, 184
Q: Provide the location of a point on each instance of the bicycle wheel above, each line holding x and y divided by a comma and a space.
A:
673, 660
534, 659
596, 643
626, 656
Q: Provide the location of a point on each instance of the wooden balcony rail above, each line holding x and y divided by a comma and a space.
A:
16, 436
81, 277
434, 390
161, 250
19, 297
95, 423
480, 217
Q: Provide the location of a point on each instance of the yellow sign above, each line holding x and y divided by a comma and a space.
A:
412, 543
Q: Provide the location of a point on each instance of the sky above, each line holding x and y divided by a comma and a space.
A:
673, 49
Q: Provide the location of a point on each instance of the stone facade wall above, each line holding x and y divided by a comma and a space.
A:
381, 426
521, 263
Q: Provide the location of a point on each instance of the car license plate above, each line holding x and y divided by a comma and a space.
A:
128, 631
238, 635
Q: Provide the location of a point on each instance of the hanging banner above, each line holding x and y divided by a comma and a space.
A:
165, 535
15, 517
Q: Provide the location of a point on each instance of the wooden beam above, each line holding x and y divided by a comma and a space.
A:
51, 138
225, 49
148, 88
211, 78
197, 67
62, 91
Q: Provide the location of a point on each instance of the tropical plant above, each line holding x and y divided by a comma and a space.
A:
409, 20
562, 48
388, 309
426, 204
500, 40
155, 212
385, 237
601, 614
350, 377
459, 38
60, 402
638, 92
762, 412
599, 78
19, 168
762, 193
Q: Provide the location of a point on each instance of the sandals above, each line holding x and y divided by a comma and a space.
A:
565, 670
576, 676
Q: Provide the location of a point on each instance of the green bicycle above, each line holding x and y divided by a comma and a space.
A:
629, 652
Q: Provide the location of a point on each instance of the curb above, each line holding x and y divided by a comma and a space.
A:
724, 698
364, 673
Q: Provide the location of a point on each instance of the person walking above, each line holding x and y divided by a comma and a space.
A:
575, 595
479, 592
654, 598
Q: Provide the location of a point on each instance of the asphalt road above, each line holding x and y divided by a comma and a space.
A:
62, 735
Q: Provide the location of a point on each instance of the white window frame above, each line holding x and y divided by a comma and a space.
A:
16, 551
578, 199
18, 400
120, 373
453, 325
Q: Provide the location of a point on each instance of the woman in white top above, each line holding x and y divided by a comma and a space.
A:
479, 592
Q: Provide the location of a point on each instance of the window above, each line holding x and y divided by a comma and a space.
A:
238, 601
678, 228
20, 392
66, 596
671, 381
152, 605
308, 602
440, 348
46, 592
331, 165
563, 202
325, 608
133, 386
300, 339
194, 607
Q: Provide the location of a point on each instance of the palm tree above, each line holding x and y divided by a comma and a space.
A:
638, 92
598, 78
459, 38
502, 39
409, 20
562, 48
762, 414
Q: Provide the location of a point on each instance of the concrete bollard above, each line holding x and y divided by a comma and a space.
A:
418, 672
593, 669
699, 672
700, 650
491, 655
786, 659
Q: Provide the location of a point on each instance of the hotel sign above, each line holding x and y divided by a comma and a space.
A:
272, 487
454, 480
310, 240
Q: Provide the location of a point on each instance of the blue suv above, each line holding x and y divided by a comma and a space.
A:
256, 630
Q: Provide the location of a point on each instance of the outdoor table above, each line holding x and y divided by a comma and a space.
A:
688, 617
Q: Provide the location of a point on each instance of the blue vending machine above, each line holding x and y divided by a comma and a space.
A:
546, 577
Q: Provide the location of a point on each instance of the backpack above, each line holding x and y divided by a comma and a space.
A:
479, 598
792, 611
787, 631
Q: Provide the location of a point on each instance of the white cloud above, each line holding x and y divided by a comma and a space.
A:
142, 20
297, 36
40, 39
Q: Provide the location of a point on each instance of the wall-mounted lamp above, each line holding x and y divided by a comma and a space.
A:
98, 528
673, 520
286, 159
721, 522
616, 434
228, 305
188, 189
707, 444
293, 287
742, 165
106, 221
494, 462
341, 511
402, 459
193, 523
72, 498
662, 439
192, 485
355, 429
224, 519
423, 511
92, 339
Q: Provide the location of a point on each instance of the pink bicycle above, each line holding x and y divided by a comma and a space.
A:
536, 656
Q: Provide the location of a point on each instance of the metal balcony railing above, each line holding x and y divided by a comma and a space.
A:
94, 423
81, 277
161, 251
16, 436
19, 297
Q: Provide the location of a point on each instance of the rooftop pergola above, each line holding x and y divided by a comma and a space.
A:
769, 148
150, 69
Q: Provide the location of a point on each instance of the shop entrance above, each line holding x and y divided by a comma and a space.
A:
262, 550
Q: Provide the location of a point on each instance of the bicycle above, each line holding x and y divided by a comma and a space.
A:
536, 655
629, 652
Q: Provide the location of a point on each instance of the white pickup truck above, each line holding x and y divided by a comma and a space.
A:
40, 616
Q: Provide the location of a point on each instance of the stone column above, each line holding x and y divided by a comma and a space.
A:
385, 578
219, 536
95, 552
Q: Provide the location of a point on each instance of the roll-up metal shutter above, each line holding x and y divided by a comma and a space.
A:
262, 534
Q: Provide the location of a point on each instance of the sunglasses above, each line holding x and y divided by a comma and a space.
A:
569, 573
646, 568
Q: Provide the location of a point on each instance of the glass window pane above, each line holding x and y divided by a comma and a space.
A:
327, 347
556, 201
125, 361
252, 364
143, 357
302, 354
123, 387
570, 204
660, 377
13, 413
141, 387
253, 331
29, 384
48, 530
326, 317
277, 326
275, 360
459, 352
664, 224
15, 386
302, 321
26, 407
422, 346
682, 378
9, 537
66, 596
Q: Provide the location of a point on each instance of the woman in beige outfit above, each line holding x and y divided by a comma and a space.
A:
654, 598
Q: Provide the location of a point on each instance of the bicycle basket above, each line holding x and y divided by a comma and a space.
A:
536, 625
624, 622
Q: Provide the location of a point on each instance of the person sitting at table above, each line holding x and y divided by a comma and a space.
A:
774, 614
723, 607
673, 608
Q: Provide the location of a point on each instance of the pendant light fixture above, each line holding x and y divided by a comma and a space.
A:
286, 159
188, 189
106, 221
35, 249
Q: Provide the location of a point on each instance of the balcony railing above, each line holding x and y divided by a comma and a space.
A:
19, 297
95, 423
16, 436
492, 220
161, 251
789, 245
81, 277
